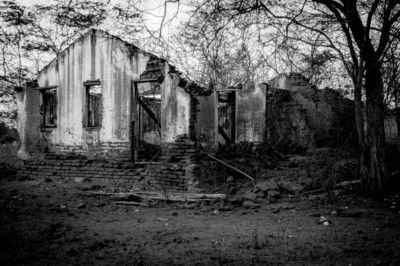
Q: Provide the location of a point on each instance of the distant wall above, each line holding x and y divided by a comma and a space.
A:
300, 112
250, 113
205, 121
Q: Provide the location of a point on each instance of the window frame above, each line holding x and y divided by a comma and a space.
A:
87, 114
44, 104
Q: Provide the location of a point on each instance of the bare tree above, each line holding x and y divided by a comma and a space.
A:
31, 36
359, 32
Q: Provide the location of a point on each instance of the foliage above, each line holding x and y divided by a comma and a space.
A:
31, 36
358, 33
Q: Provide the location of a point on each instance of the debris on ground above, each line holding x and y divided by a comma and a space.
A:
147, 198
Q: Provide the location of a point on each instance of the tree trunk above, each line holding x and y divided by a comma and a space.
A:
397, 110
375, 179
358, 111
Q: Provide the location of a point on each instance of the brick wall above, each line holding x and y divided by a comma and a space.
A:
112, 151
175, 169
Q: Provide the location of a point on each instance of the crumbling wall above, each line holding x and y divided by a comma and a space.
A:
175, 109
301, 113
205, 122
250, 113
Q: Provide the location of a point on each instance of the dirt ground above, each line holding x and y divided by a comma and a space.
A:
52, 222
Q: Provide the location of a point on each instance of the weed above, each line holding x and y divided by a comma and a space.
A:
219, 250
257, 242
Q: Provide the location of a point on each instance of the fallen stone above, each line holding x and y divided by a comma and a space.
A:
95, 187
261, 194
292, 188
271, 199
261, 201
79, 179
226, 208
297, 159
236, 199
248, 204
267, 185
249, 196
229, 179
323, 219
274, 194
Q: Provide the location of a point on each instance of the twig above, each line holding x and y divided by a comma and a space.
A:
231, 167
309, 192
131, 203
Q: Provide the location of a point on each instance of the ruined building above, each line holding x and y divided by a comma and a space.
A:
105, 109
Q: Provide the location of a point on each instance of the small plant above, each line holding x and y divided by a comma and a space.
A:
257, 242
219, 248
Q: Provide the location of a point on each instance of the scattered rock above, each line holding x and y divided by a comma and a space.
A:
261, 201
271, 199
267, 185
236, 199
229, 179
79, 179
326, 223
323, 219
261, 194
290, 187
333, 212
95, 187
215, 212
274, 194
297, 159
226, 208
81, 205
249, 196
250, 204
189, 206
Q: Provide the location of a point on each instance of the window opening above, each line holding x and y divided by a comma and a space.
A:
94, 97
48, 108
